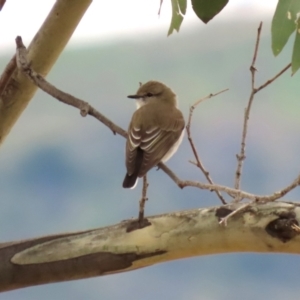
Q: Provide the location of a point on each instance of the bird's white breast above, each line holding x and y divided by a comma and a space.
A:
173, 149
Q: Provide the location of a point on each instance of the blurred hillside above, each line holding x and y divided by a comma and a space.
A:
61, 172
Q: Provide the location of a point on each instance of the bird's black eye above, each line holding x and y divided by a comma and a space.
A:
149, 95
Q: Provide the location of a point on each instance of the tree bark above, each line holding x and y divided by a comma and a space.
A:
271, 227
44, 50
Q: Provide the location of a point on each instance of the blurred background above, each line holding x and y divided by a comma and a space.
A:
61, 172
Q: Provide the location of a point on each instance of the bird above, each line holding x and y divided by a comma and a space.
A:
155, 132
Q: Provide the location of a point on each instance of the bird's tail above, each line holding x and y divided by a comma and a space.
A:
130, 181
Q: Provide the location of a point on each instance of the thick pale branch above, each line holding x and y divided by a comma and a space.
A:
44, 50
271, 227
7, 73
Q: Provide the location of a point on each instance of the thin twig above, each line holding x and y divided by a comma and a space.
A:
143, 200
252, 67
160, 5
7, 73
241, 157
24, 66
273, 79
296, 228
84, 107
188, 130
225, 219
230, 191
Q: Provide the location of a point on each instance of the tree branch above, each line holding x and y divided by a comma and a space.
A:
266, 227
242, 155
230, 191
45, 48
273, 79
38, 80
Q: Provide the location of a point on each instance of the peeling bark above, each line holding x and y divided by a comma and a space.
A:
271, 227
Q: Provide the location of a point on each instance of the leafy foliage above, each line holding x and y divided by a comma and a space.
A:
285, 22
296, 50
178, 11
206, 10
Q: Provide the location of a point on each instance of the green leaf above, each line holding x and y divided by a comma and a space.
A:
182, 6
284, 23
296, 50
178, 10
207, 9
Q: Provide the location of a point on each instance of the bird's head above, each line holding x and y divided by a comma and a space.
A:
154, 91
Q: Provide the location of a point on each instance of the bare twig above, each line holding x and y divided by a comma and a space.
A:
160, 5
252, 67
202, 100
242, 155
284, 191
143, 200
273, 79
296, 228
225, 219
24, 66
230, 191
7, 73
37, 79
188, 130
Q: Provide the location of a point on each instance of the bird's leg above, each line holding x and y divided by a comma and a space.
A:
141, 221
143, 201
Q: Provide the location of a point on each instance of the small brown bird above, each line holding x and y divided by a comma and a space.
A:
155, 131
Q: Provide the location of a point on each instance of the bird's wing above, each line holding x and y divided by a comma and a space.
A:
155, 140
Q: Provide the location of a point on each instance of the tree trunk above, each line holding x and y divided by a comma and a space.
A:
44, 50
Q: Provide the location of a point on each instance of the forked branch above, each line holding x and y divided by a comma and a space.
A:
242, 155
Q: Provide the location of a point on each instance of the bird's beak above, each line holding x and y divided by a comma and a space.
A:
134, 96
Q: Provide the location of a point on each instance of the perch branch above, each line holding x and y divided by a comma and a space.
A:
269, 227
